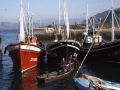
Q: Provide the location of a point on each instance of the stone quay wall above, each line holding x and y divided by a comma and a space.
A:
48, 34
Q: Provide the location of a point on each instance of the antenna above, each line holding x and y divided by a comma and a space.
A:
40, 20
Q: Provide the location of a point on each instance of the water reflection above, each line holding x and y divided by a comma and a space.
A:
108, 72
0, 65
12, 80
25, 81
28, 81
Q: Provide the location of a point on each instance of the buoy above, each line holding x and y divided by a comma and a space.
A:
83, 75
96, 88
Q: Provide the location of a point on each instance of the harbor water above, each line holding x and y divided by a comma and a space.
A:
13, 80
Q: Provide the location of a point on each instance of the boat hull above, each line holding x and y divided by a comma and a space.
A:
57, 50
109, 52
24, 56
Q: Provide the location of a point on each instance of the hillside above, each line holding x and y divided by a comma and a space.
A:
8, 25
44, 22
103, 15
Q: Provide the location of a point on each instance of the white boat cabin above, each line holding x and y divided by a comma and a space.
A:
91, 36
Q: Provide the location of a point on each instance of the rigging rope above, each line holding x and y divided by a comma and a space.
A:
107, 15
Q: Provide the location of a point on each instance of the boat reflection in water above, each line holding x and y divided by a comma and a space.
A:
25, 81
28, 81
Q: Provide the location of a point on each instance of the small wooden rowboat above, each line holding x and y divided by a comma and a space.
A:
53, 76
86, 82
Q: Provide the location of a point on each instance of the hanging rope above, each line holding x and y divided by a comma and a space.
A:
84, 59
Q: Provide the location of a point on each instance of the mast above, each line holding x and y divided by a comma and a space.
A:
87, 20
93, 25
59, 27
22, 34
66, 19
32, 25
40, 21
112, 22
67, 28
28, 21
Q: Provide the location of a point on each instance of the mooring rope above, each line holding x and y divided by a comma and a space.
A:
96, 81
84, 58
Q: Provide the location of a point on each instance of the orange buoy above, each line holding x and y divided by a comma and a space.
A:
96, 88
83, 75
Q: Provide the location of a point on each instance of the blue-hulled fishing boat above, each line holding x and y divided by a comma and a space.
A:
87, 82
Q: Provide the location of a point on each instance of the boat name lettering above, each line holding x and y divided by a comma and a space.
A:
33, 59
114, 53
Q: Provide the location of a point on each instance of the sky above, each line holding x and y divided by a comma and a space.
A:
44, 9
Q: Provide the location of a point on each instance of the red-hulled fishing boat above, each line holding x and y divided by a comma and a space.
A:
27, 51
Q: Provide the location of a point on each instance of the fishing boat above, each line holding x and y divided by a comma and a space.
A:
62, 46
26, 53
95, 48
53, 76
87, 82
